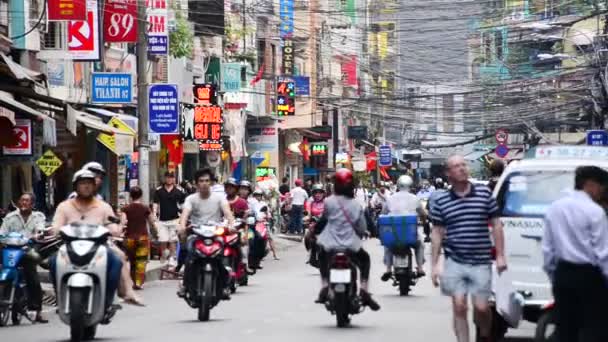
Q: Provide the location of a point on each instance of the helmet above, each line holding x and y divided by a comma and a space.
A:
258, 192
245, 184
298, 182
405, 182
438, 180
82, 174
344, 177
95, 167
231, 181
318, 188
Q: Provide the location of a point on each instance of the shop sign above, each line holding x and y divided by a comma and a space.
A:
597, 138
386, 158
83, 35
288, 57
163, 107
206, 128
264, 173
108, 87
286, 98
318, 149
22, 132
325, 132
49, 163
231, 77
120, 21
158, 30
64, 10
120, 144
302, 85
357, 132
205, 94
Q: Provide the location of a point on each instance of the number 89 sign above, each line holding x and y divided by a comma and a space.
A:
120, 21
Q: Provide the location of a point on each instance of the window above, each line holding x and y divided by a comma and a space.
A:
54, 39
498, 43
4, 17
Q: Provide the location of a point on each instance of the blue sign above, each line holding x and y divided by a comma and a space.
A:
286, 8
501, 151
597, 138
158, 45
386, 158
163, 105
111, 88
231, 77
302, 85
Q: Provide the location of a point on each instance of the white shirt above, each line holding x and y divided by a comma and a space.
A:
576, 231
298, 196
402, 203
361, 196
379, 199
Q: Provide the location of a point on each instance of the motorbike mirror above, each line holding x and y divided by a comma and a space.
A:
264, 209
251, 220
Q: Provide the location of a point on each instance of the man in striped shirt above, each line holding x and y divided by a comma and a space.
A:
461, 216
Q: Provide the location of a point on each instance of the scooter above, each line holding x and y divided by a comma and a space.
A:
81, 276
344, 300
310, 242
233, 258
258, 243
206, 276
13, 291
404, 277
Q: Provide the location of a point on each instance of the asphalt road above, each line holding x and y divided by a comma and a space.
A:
277, 306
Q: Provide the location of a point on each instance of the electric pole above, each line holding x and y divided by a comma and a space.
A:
143, 148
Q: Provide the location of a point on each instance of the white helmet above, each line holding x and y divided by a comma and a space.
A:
95, 167
405, 182
82, 174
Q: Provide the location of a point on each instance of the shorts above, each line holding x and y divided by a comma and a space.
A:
465, 279
167, 231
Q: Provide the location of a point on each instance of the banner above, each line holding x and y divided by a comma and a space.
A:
158, 31
120, 21
83, 35
231, 77
64, 10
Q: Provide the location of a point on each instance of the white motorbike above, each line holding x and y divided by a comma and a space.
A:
81, 279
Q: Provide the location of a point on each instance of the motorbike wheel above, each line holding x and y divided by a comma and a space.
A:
341, 309
204, 308
545, 328
19, 307
90, 332
5, 311
404, 285
78, 298
244, 281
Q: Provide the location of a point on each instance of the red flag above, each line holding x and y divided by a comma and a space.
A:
174, 145
258, 76
384, 174
304, 149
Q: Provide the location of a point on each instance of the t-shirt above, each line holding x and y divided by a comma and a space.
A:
137, 219
298, 196
205, 210
238, 207
402, 203
168, 202
465, 219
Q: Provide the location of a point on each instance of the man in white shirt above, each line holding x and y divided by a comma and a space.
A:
298, 198
575, 248
361, 196
379, 198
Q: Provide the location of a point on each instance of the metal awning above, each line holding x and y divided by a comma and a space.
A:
309, 134
475, 155
19, 72
12, 104
93, 122
130, 120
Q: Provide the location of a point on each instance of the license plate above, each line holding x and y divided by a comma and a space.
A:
339, 276
401, 261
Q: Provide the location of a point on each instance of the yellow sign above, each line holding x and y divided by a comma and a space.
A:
109, 140
49, 163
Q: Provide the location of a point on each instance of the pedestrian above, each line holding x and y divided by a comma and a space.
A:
138, 218
460, 217
329, 185
167, 199
298, 197
575, 248
361, 195
284, 187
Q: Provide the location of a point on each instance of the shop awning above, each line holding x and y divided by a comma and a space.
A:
475, 155
12, 104
18, 72
130, 120
96, 123
309, 134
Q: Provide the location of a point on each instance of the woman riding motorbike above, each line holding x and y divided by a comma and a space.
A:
313, 208
342, 227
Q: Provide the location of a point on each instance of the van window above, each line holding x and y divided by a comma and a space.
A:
530, 193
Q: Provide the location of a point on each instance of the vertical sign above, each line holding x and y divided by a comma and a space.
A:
64, 10
286, 98
206, 126
286, 8
163, 108
288, 56
158, 32
83, 35
120, 21
231, 77
386, 159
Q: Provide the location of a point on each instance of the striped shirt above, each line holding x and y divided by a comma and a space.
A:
465, 219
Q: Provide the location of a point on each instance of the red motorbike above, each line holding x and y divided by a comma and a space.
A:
258, 242
233, 259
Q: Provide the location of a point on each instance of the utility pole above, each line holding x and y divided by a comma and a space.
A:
143, 148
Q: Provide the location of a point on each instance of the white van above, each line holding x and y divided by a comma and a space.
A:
524, 192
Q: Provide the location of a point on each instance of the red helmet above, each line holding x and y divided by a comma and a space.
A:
298, 182
343, 177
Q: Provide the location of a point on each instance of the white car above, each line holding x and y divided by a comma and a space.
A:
524, 192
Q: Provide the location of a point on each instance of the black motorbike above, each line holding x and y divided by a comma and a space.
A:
344, 300
404, 277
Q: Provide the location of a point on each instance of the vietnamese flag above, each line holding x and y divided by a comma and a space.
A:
175, 147
304, 149
384, 174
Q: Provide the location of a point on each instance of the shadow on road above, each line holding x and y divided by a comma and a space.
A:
518, 339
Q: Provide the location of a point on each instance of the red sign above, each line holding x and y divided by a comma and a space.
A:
120, 21
83, 36
501, 136
63, 10
349, 71
204, 94
208, 123
22, 133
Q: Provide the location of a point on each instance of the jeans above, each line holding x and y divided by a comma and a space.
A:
32, 281
113, 276
295, 225
360, 258
418, 248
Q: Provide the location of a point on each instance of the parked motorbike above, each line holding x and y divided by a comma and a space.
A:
206, 275
233, 258
13, 291
258, 242
81, 276
344, 300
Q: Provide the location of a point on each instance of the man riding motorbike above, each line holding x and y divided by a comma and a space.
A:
100, 174
379, 198
87, 208
199, 208
27, 221
342, 227
404, 203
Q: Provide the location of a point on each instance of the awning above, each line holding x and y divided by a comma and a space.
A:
20, 73
310, 134
130, 120
309, 171
96, 123
475, 155
12, 104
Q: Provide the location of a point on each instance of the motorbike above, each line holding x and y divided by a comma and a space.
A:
404, 277
233, 258
81, 276
206, 275
258, 242
310, 242
13, 291
344, 300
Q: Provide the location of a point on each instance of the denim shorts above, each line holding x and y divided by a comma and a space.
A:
465, 279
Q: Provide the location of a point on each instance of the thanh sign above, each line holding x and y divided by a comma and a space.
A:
163, 108
111, 88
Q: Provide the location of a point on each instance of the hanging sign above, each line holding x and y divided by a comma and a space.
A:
231, 77
83, 35
288, 57
205, 127
386, 158
49, 163
286, 98
109, 87
163, 108
120, 21
120, 144
22, 131
158, 31
205, 94
64, 10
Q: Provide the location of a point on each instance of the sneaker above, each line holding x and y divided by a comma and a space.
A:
386, 276
367, 299
323, 296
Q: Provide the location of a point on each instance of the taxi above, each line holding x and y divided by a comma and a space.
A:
524, 192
